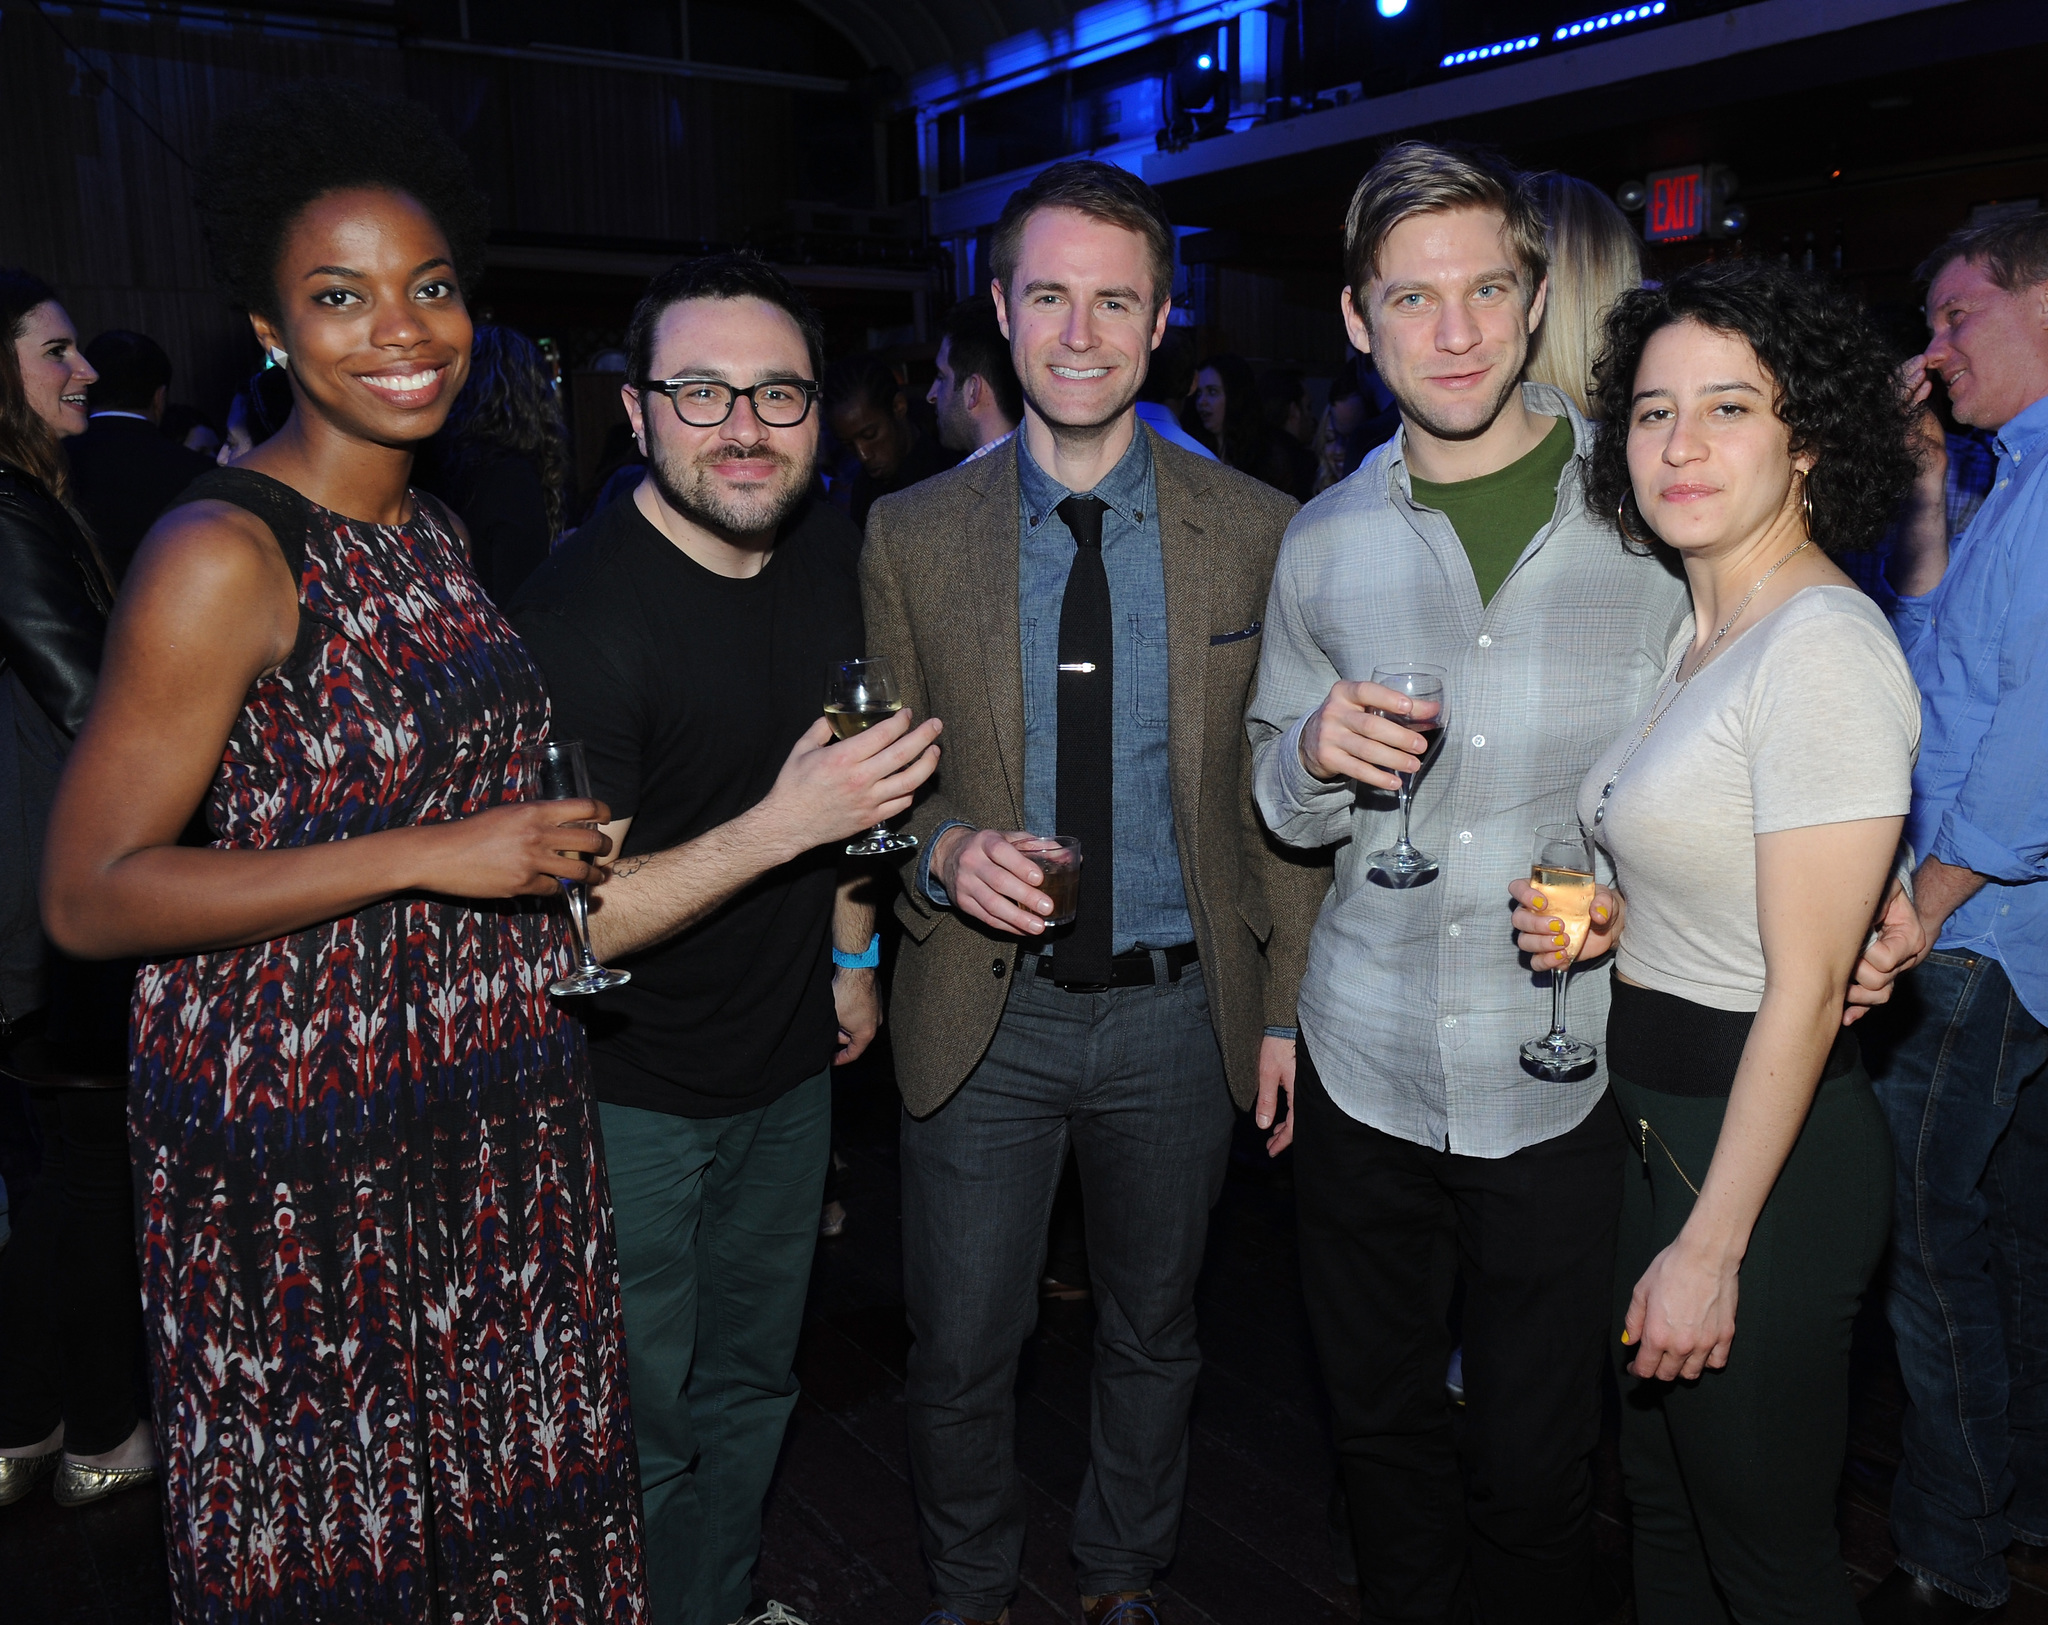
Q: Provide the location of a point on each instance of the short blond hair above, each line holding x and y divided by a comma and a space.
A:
1420, 177
1595, 258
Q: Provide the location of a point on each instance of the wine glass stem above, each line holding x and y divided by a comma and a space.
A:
1405, 844
579, 921
1559, 980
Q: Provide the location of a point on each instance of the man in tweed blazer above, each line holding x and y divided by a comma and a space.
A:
1002, 1058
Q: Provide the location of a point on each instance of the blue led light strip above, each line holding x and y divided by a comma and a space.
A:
1612, 19
1457, 59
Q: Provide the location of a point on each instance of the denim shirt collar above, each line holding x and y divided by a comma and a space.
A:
2023, 436
1123, 489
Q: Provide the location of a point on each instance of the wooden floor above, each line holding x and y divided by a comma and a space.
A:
840, 1546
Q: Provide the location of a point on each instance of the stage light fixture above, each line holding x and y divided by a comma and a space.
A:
1205, 62
1457, 59
1392, 8
1631, 196
1610, 19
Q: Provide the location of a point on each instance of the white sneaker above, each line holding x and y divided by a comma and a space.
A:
773, 1614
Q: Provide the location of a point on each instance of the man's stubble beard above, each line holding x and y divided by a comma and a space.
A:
957, 428
688, 488
1417, 414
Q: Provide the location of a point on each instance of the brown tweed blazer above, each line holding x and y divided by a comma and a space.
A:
939, 589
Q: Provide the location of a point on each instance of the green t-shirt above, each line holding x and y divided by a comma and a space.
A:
1496, 514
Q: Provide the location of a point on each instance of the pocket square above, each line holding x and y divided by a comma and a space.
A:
1238, 636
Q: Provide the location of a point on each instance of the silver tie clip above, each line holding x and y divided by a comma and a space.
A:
1078, 665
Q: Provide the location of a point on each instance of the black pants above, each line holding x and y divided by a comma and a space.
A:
1731, 1479
70, 1295
1500, 1499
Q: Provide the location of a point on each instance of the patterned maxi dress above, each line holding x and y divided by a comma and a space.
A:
377, 1255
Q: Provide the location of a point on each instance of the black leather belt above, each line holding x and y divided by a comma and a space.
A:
1138, 968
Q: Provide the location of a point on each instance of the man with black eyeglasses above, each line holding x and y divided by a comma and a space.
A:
686, 635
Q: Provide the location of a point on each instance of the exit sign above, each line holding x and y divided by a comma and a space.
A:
1677, 205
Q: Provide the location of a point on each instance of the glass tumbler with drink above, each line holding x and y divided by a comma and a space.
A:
1059, 862
859, 694
1562, 872
557, 769
1404, 864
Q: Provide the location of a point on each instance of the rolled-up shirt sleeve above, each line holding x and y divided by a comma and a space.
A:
933, 891
1998, 823
1295, 676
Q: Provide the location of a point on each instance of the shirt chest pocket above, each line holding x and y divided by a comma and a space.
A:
1139, 678
1143, 686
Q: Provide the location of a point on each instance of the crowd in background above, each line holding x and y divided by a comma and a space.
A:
411, 1140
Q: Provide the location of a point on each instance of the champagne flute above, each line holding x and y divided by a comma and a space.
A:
557, 767
859, 694
1404, 864
1563, 875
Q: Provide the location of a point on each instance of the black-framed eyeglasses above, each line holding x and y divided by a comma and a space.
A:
704, 403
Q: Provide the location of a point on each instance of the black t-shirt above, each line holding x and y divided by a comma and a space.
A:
688, 689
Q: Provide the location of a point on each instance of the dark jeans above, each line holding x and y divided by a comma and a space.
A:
1504, 1502
1133, 1078
1732, 1479
717, 1220
70, 1293
1961, 1070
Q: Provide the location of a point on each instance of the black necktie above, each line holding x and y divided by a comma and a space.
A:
1085, 801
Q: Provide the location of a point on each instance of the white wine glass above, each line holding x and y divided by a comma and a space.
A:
1404, 864
556, 768
859, 694
1562, 872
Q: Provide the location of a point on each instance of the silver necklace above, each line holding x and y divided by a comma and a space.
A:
1658, 710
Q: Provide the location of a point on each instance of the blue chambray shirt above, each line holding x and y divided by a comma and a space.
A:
1978, 648
1151, 902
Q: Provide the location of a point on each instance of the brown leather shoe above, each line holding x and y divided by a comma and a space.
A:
1120, 1608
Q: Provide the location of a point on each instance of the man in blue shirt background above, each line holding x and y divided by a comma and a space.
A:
1961, 1059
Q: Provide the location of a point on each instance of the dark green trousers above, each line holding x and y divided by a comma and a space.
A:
717, 1219
1731, 1479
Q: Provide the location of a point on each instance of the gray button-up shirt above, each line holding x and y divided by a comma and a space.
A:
1416, 1003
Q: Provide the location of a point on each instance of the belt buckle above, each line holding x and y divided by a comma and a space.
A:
1082, 987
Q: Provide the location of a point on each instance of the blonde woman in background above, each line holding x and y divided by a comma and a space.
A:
1595, 257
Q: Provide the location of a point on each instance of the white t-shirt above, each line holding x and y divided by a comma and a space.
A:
1809, 717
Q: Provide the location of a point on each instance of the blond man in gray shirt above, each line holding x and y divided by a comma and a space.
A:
1423, 1149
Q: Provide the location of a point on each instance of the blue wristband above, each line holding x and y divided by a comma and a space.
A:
865, 960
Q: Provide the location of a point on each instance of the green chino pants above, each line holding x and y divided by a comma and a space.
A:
717, 1220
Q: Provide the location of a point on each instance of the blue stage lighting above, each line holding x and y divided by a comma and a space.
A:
1392, 8
1457, 59
1610, 19
1205, 62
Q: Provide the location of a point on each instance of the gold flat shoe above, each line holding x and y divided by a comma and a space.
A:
78, 1484
18, 1474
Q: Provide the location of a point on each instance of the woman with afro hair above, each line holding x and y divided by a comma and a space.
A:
377, 1260
1751, 426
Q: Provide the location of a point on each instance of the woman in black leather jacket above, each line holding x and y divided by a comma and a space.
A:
70, 1307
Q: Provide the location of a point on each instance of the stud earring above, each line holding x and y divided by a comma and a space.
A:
277, 357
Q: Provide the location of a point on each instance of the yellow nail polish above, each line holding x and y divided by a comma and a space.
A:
1627, 1338
1539, 902
1558, 941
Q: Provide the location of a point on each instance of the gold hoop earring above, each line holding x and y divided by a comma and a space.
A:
1621, 524
1806, 502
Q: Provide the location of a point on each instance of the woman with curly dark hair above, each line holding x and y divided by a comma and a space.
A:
501, 462
1753, 425
1226, 406
377, 1261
